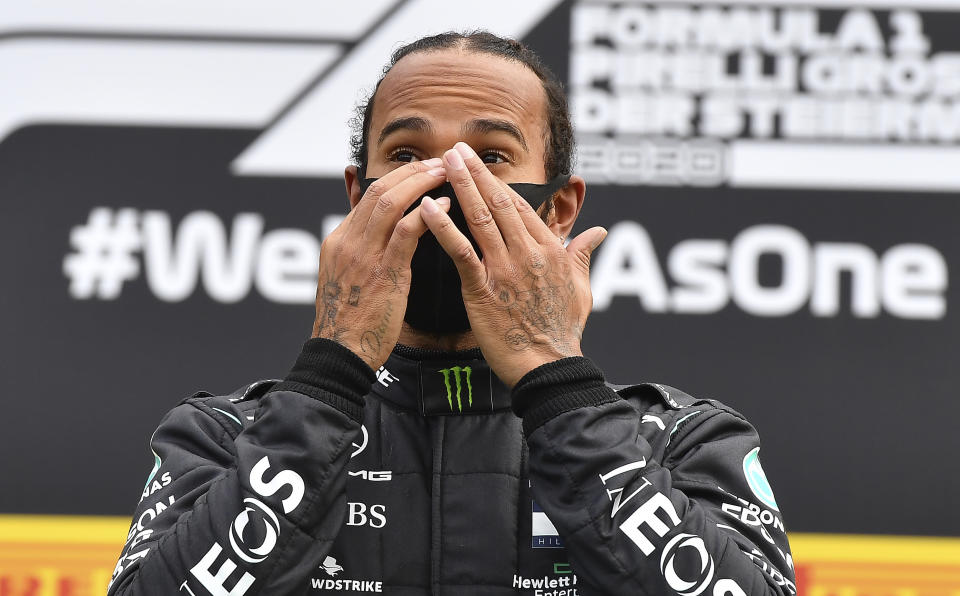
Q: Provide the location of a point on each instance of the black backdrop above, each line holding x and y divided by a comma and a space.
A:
857, 414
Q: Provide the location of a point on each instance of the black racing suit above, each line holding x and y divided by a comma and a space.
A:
419, 479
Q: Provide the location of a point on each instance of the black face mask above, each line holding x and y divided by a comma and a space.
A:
435, 303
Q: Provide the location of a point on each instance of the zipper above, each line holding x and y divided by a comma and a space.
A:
438, 432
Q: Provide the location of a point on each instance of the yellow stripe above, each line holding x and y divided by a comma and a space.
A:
811, 548
63, 529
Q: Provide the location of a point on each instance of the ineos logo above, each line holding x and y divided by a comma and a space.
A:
682, 586
204, 571
271, 530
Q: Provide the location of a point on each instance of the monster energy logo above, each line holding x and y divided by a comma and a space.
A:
458, 382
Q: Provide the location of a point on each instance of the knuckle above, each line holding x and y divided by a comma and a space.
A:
465, 252
501, 199
378, 274
379, 279
522, 205
444, 225
385, 203
583, 259
404, 230
416, 167
465, 182
376, 189
537, 263
331, 246
328, 243
356, 260
481, 216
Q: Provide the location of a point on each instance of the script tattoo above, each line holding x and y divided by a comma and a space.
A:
371, 341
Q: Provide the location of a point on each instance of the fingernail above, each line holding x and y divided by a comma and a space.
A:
433, 162
437, 172
429, 205
464, 150
454, 160
597, 240
444, 202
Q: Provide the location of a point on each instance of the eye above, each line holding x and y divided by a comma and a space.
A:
493, 157
403, 154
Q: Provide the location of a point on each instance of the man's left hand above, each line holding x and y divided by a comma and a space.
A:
529, 297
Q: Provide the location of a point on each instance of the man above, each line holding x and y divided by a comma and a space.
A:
486, 455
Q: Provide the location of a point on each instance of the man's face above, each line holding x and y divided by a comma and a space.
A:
430, 100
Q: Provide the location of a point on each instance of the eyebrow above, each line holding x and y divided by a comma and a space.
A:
414, 123
481, 126
477, 126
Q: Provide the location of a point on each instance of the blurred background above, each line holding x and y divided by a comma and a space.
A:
781, 182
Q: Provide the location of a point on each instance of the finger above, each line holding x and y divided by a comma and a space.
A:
581, 248
475, 210
392, 205
455, 244
371, 198
533, 222
406, 235
499, 197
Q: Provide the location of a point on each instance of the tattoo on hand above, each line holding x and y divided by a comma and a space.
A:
354, 296
517, 339
539, 310
537, 266
371, 342
330, 303
395, 276
506, 294
327, 310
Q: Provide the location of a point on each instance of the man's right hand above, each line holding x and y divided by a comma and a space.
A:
365, 263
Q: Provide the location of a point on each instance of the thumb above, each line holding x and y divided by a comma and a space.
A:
582, 247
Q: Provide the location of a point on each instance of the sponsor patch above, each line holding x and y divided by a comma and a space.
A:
757, 480
544, 533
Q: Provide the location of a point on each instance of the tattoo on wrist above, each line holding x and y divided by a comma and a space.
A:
328, 308
371, 342
330, 303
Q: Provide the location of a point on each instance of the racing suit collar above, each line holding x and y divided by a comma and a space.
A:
420, 354
440, 383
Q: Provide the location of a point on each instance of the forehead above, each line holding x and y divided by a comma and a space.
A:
461, 85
